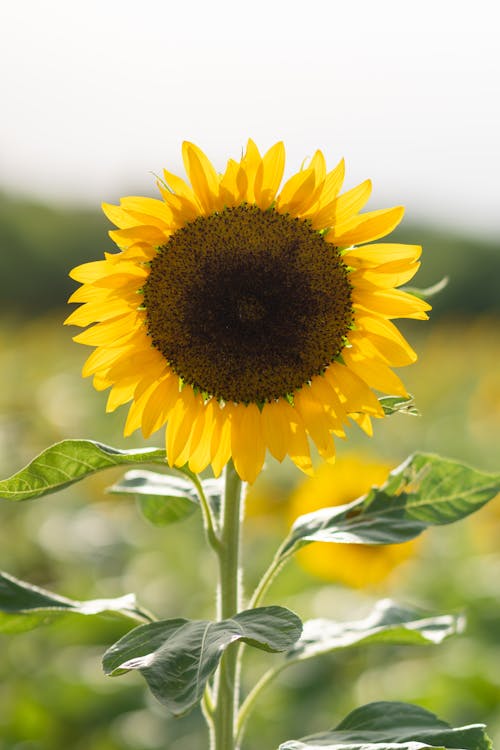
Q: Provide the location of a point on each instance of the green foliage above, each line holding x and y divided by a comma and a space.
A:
387, 623
39, 244
398, 405
68, 462
424, 491
388, 725
51, 695
164, 498
24, 606
177, 657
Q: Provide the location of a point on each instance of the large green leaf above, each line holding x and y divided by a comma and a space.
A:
426, 490
387, 623
70, 461
393, 726
176, 657
165, 498
24, 606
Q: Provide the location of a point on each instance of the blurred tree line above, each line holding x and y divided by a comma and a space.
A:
40, 244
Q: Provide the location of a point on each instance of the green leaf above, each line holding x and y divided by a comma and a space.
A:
177, 657
398, 405
165, 498
389, 725
24, 606
68, 462
424, 491
386, 623
162, 498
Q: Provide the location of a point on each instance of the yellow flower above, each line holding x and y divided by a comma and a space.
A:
356, 565
243, 318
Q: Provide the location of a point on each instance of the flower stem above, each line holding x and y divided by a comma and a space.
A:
251, 698
277, 563
208, 520
226, 693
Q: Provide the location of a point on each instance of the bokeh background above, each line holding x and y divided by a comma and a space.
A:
97, 98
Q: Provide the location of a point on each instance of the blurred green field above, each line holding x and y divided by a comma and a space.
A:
84, 543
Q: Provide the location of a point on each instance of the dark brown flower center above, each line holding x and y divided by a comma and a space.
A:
248, 305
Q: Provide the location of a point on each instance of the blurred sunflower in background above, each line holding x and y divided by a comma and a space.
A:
245, 318
355, 565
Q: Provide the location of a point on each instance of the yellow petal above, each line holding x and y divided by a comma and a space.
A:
118, 216
391, 303
298, 446
276, 427
149, 208
159, 404
135, 412
382, 253
297, 193
99, 311
220, 447
344, 207
250, 163
111, 332
183, 209
353, 392
88, 293
103, 357
318, 163
200, 450
366, 227
332, 185
140, 359
197, 427
375, 374
323, 392
120, 393
315, 421
143, 233
383, 339
233, 184
363, 421
202, 176
89, 272
247, 444
383, 277
269, 175
180, 187
180, 423
100, 381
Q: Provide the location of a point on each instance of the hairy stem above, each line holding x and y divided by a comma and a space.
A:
226, 693
208, 519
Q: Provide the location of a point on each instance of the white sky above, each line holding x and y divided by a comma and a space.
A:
96, 95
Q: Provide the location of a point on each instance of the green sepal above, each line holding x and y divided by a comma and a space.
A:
177, 657
391, 725
24, 606
68, 462
429, 291
398, 405
426, 490
165, 498
387, 623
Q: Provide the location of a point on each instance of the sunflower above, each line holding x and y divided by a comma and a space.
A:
355, 565
246, 318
